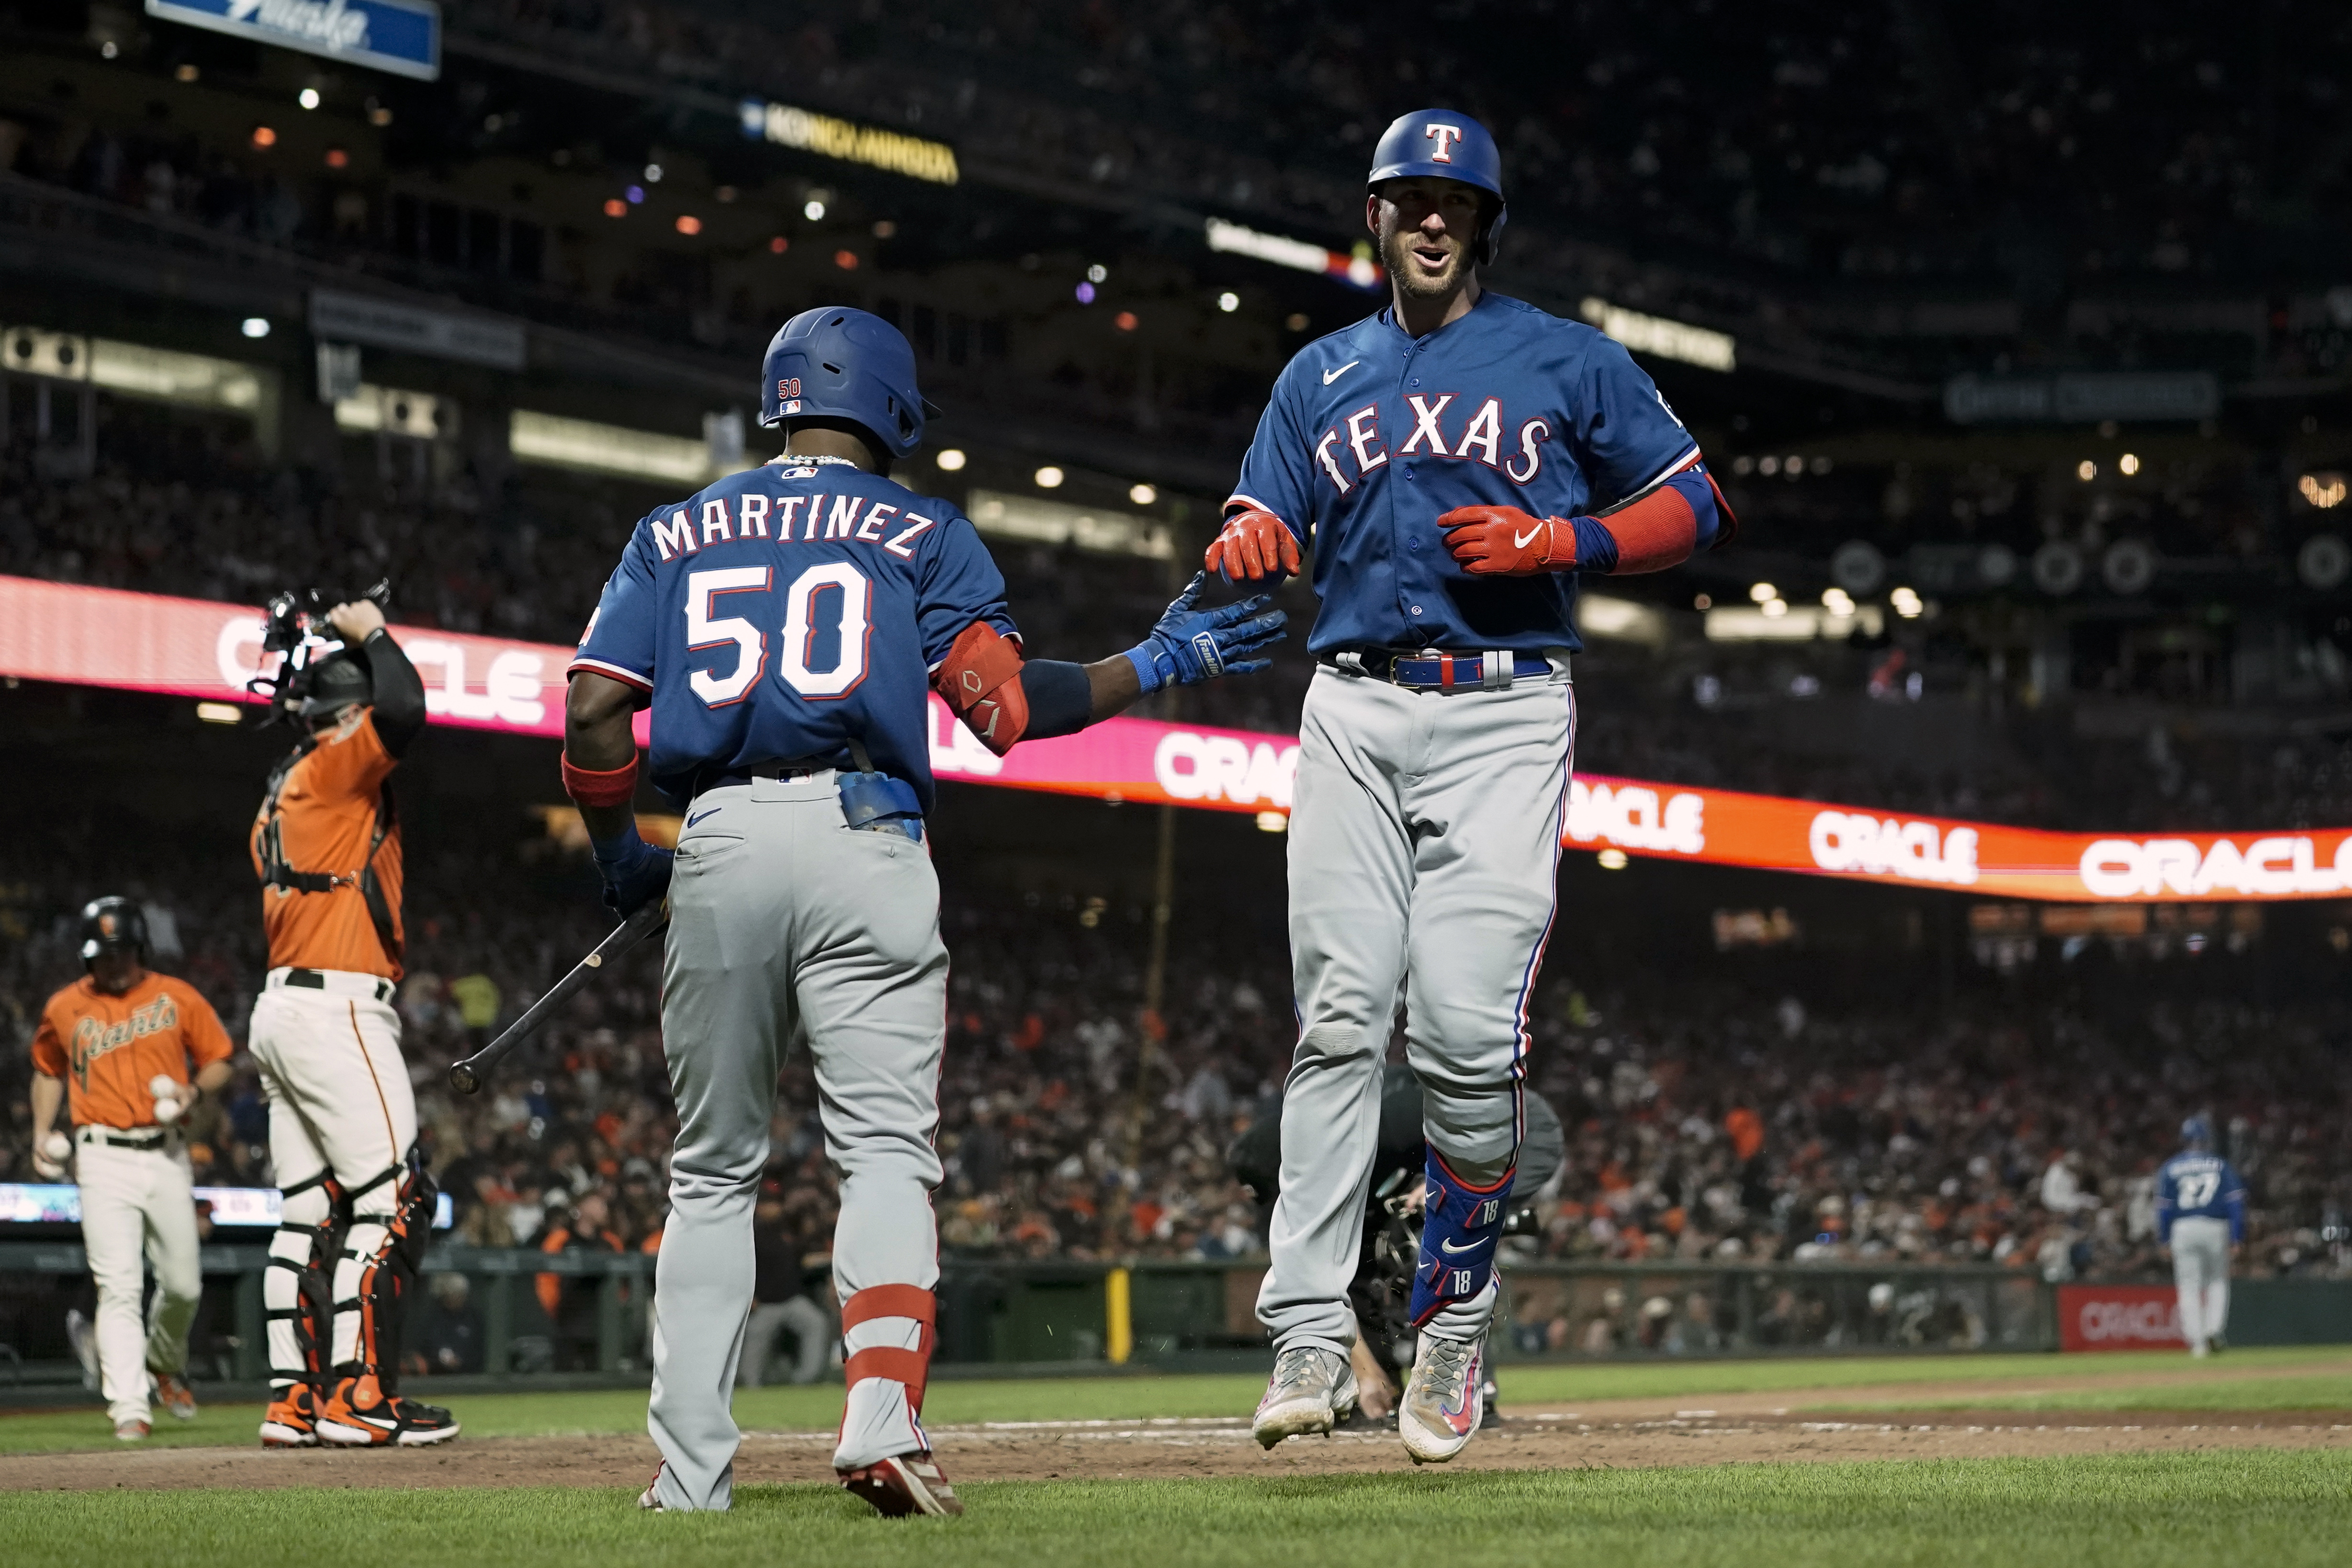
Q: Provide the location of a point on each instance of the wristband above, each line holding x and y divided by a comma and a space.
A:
1145, 658
615, 787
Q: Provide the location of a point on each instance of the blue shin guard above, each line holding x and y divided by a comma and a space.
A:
1459, 1230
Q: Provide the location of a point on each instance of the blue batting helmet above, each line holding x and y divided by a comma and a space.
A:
1453, 146
2197, 1133
836, 363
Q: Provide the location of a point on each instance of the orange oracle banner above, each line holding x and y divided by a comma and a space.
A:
99, 636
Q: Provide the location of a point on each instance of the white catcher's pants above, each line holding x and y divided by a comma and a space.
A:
2201, 1270
1424, 855
339, 1101
135, 1204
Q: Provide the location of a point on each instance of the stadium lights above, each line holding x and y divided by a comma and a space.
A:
652, 173
813, 210
1126, 320
949, 459
1612, 859
688, 223
1763, 593
1229, 302
1142, 495
1837, 601
1085, 293
1049, 478
1098, 273
615, 207
1776, 609
1666, 339
2325, 491
2128, 463
307, 98
2086, 470
1237, 240
264, 137
1274, 822
218, 712
255, 327
1906, 603
636, 194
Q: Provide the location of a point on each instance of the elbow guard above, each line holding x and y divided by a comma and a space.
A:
980, 680
1663, 528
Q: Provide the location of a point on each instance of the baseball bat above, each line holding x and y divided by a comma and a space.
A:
466, 1076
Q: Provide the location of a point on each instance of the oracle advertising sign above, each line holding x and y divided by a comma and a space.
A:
2119, 1318
97, 636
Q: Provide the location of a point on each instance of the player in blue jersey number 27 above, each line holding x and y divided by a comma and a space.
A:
1457, 460
786, 626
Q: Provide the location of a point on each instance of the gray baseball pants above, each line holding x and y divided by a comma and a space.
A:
787, 925
1424, 851
2201, 1273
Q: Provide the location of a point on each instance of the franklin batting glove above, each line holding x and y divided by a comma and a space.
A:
1504, 542
1190, 645
1254, 544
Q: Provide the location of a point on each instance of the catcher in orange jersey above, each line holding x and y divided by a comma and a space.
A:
125, 1052
343, 1119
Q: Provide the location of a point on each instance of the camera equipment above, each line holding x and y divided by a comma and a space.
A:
296, 632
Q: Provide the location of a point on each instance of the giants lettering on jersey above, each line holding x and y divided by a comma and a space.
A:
92, 1040
1463, 427
750, 516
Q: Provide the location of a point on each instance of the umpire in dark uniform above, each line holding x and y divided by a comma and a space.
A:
1383, 1287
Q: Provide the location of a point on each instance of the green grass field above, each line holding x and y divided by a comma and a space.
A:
2240, 1507
2006, 1382
2236, 1506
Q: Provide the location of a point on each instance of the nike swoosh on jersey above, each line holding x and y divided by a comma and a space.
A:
1451, 1250
1520, 541
1331, 375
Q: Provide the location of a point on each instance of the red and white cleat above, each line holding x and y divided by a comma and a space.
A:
903, 1485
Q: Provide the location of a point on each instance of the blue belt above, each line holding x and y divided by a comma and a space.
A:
1492, 670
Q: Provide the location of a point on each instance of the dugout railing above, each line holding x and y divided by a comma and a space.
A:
491, 1307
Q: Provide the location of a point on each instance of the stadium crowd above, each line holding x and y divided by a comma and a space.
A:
1873, 143
1709, 1119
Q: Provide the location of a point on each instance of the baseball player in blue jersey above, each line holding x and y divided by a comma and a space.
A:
1455, 460
2200, 1219
786, 626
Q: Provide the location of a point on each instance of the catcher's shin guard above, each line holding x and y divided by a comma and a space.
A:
298, 1309
1460, 1227
381, 1252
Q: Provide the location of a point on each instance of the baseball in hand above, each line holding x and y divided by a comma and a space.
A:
58, 1147
166, 1091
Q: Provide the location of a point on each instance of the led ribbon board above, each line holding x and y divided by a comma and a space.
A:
102, 637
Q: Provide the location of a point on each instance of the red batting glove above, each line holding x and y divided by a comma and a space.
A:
1253, 544
1504, 542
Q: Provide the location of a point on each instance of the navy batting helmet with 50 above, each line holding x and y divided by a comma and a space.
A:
1453, 146
110, 925
839, 364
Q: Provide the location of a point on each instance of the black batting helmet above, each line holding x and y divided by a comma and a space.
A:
333, 683
110, 925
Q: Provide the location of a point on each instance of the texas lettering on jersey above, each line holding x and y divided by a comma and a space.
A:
1372, 434
92, 1040
787, 611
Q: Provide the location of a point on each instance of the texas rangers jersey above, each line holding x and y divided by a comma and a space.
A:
1372, 434
786, 610
2200, 1186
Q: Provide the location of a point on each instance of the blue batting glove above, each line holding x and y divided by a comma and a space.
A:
1190, 645
635, 873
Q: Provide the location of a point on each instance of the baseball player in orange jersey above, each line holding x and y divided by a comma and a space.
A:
126, 1051
358, 1203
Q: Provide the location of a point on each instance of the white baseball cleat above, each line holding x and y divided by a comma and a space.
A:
1312, 1388
1443, 1398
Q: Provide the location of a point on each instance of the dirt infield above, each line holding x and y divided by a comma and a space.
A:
1888, 1421
1220, 1447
